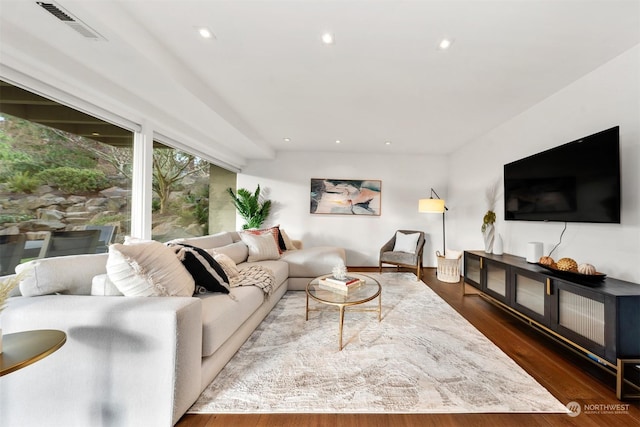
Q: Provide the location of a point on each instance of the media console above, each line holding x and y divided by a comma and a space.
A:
599, 320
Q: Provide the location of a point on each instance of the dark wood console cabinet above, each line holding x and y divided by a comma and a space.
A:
599, 320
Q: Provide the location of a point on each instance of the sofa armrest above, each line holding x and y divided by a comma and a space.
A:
127, 361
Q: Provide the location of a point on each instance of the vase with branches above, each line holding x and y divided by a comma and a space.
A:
250, 206
488, 229
6, 286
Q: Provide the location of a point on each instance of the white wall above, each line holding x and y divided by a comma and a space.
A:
606, 97
405, 180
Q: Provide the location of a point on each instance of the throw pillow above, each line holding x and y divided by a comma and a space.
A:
227, 264
205, 270
288, 243
275, 232
261, 246
406, 242
148, 269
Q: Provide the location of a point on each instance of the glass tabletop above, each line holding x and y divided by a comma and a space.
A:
363, 293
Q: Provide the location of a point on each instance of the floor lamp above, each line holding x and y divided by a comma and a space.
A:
436, 205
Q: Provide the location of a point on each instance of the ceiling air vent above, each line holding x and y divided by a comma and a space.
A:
70, 20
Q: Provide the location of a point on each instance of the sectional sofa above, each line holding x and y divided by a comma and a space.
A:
136, 361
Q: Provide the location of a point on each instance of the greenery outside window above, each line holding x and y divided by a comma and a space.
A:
60, 170
180, 194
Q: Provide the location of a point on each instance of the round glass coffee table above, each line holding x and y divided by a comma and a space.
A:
366, 292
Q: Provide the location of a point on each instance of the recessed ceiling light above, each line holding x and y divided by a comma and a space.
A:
286, 139
205, 33
387, 143
327, 38
445, 44
338, 141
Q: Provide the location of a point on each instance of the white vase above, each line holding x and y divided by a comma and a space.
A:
488, 234
498, 245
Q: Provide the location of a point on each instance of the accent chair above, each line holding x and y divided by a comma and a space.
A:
400, 255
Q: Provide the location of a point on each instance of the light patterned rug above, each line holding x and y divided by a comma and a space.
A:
422, 358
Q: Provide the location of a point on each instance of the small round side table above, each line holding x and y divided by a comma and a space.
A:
21, 349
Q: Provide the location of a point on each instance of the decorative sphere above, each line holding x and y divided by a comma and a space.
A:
586, 269
546, 260
567, 264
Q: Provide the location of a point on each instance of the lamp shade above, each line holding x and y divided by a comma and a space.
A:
431, 205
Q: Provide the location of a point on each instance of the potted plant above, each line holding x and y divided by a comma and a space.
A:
250, 207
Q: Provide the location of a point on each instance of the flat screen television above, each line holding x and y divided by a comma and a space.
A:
575, 182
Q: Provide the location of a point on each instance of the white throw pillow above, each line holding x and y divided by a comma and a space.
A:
148, 269
261, 246
406, 242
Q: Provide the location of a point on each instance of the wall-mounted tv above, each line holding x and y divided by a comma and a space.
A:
575, 182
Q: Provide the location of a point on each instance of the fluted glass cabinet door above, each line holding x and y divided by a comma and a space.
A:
496, 281
472, 271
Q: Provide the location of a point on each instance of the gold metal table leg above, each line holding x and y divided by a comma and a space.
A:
341, 323
307, 315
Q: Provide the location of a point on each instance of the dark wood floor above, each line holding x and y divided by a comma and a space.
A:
566, 375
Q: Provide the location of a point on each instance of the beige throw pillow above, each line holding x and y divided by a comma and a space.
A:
287, 241
227, 264
261, 246
148, 269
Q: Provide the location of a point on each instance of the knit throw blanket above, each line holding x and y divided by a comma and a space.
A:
256, 275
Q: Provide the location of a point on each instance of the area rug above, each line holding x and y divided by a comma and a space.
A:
423, 357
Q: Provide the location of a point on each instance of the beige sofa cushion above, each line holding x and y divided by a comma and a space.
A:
223, 238
222, 314
237, 251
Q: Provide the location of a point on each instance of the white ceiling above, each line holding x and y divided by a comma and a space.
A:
267, 76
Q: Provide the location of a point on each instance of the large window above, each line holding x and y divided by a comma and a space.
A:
180, 194
60, 171
64, 172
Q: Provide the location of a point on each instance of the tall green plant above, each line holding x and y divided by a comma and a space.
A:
253, 210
